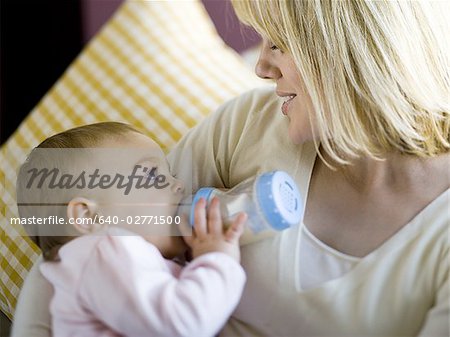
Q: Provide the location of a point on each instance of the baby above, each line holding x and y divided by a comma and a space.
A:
109, 261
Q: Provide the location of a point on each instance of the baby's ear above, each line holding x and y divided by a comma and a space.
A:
81, 213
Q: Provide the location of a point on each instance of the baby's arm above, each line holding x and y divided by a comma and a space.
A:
128, 286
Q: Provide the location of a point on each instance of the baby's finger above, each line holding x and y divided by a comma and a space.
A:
214, 217
236, 229
200, 218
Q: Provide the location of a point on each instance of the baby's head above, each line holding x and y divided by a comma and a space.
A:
106, 174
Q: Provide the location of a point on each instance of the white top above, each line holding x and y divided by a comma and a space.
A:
320, 263
117, 284
400, 289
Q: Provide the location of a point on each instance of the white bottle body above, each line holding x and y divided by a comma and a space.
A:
271, 201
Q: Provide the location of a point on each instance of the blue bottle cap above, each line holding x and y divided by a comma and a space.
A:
279, 199
204, 192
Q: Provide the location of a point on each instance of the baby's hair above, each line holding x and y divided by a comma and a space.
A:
87, 136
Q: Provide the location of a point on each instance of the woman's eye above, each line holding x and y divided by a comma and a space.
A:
273, 47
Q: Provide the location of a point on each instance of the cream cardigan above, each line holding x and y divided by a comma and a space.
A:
400, 289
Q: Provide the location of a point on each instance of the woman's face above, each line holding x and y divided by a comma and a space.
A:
280, 67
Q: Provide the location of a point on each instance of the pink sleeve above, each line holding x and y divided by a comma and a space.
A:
128, 285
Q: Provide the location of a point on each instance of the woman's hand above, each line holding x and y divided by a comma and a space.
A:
209, 235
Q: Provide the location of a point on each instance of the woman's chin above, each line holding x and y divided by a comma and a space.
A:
295, 136
299, 135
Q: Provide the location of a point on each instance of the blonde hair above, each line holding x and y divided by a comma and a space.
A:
376, 71
87, 136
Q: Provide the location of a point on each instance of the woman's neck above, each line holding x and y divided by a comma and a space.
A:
397, 173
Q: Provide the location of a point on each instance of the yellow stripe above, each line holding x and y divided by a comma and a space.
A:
33, 126
69, 114
207, 34
89, 104
48, 116
6, 311
164, 124
2, 209
20, 140
8, 270
65, 110
155, 114
155, 40
12, 160
16, 251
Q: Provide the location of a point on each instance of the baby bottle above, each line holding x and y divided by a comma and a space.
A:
271, 200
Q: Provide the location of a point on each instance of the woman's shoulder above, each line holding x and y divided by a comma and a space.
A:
261, 92
251, 116
237, 114
257, 99
35, 293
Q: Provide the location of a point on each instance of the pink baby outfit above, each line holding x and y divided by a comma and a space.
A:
118, 284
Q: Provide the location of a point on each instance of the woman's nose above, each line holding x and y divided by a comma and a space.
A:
177, 186
265, 67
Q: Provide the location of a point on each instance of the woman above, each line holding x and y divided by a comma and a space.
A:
364, 93
360, 119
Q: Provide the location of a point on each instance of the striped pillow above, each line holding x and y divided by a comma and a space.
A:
158, 65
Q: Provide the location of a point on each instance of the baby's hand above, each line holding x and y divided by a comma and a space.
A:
208, 234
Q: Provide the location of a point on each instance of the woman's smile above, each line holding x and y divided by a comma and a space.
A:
288, 99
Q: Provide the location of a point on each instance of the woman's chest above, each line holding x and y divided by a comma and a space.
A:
355, 226
357, 218
274, 302
358, 222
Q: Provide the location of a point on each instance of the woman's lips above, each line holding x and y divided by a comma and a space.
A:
285, 106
